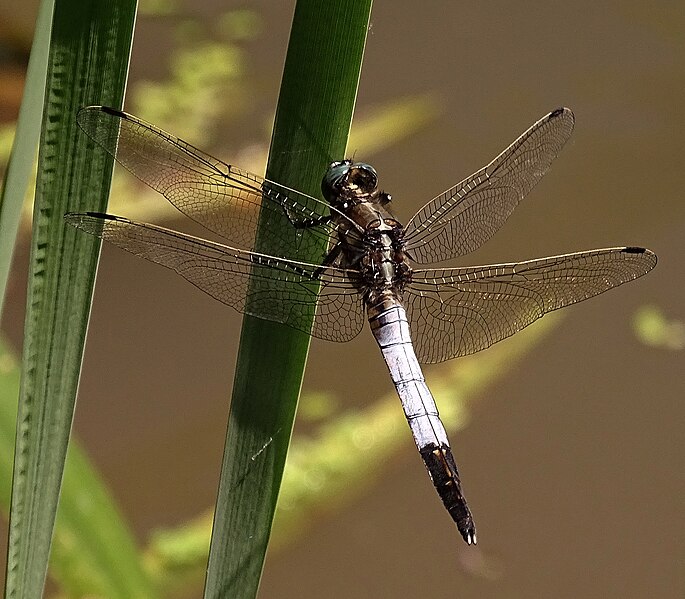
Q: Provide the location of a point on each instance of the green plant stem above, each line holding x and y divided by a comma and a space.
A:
313, 118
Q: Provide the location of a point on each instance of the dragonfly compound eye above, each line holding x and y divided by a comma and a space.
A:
362, 177
333, 180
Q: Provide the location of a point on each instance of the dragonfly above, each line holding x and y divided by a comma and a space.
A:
366, 265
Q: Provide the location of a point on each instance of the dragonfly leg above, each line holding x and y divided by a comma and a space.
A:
330, 258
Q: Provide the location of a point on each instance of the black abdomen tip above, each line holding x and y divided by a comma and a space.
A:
443, 471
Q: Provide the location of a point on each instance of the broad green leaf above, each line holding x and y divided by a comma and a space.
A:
88, 62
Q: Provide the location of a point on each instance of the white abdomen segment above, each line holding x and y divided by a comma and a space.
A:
391, 329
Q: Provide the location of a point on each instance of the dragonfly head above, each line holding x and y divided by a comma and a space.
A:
347, 182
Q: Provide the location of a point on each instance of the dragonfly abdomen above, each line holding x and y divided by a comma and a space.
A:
389, 325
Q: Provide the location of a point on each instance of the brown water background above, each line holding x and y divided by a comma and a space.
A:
574, 464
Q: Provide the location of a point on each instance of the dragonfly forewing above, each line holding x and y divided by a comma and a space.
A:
464, 217
219, 196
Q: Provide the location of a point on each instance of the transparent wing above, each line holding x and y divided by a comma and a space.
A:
459, 311
464, 217
219, 196
267, 287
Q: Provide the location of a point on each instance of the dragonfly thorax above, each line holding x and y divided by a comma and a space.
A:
384, 270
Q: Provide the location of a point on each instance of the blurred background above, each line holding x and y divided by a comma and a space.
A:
571, 451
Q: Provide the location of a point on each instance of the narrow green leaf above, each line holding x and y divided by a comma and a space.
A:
313, 118
93, 553
88, 62
25, 143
